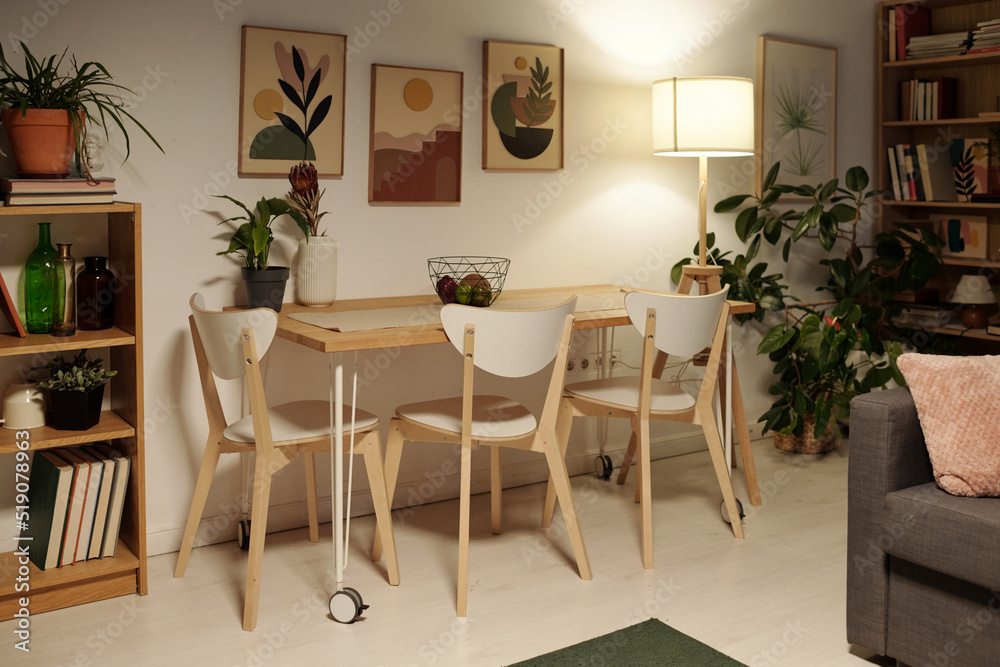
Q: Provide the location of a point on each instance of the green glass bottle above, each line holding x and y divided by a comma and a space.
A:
39, 283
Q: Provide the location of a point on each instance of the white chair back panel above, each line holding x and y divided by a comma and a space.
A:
220, 335
509, 343
685, 324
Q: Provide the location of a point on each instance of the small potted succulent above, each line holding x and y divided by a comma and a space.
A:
76, 391
46, 113
252, 239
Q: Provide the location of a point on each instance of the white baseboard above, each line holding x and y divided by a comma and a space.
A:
222, 527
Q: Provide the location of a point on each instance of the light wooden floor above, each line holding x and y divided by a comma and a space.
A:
775, 598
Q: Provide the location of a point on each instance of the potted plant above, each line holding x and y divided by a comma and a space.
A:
316, 261
76, 390
252, 239
46, 113
830, 350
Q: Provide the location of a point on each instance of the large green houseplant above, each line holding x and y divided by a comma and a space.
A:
46, 112
252, 238
825, 351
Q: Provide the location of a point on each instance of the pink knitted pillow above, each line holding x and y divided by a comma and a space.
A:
956, 400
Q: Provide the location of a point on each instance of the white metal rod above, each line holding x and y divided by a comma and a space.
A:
337, 463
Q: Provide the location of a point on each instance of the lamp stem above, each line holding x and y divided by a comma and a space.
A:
702, 209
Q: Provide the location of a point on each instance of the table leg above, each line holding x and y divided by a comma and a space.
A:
337, 462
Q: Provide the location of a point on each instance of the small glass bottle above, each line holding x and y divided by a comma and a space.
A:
64, 314
39, 283
95, 296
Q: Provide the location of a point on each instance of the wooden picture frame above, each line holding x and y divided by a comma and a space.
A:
291, 101
796, 111
415, 136
523, 106
9, 311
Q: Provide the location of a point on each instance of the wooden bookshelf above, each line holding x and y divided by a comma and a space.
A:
121, 425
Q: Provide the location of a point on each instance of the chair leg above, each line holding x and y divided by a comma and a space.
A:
638, 473
393, 454
720, 464
496, 489
644, 491
559, 478
383, 518
309, 461
743, 435
261, 498
463, 530
627, 461
564, 423
209, 462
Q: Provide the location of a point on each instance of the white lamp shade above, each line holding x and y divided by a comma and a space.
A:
710, 116
972, 289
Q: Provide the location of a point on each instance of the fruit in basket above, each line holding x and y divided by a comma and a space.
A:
480, 295
446, 286
463, 293
474, 279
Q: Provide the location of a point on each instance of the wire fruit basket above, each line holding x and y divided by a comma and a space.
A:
468, 279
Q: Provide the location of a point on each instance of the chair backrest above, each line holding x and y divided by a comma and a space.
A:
509, 343
220, 335
685, 323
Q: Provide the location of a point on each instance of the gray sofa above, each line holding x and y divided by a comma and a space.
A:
923, 566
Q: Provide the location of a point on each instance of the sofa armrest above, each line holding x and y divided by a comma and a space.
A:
887, 453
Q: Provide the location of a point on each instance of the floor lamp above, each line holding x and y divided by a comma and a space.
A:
703, 117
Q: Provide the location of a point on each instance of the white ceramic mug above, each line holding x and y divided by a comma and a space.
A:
23, 406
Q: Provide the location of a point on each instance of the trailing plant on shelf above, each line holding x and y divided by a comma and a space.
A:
87, 92
825, 351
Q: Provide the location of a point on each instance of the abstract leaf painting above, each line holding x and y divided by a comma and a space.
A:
522, 107
970, 161
415, 154
291, 101
796, 111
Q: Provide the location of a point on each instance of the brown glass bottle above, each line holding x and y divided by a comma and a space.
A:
95, 295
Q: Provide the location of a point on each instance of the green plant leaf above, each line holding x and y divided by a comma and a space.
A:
730, 203
743, 222
857, 179
771, 177
775, 339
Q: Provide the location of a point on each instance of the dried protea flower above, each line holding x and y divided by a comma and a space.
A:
305, 194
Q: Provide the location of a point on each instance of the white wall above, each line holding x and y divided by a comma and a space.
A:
623, 212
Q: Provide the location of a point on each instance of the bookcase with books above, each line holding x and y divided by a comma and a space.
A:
113, 560
938, 111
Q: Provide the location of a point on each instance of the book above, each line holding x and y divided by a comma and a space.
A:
49, 485
14, 199
103, 501
118, 487
936, 174
78, 499
90, 508
891, 42
913, 174
36, 186
970, 160
894, 174
911, 21
904, 186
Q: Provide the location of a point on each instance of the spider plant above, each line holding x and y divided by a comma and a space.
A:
87, 92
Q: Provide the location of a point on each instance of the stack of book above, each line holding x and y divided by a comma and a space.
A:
926, 315
922, 172
986, 37
928, 99
939, 45
75, 501
45, 191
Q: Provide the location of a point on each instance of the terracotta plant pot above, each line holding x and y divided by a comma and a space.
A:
43, 141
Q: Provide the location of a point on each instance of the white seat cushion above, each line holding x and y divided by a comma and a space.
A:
492, 416
624, 391
298, 420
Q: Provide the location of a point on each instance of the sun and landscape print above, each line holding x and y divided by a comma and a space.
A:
523, 109
291, 101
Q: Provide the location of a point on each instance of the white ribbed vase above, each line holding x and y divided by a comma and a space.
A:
316, 271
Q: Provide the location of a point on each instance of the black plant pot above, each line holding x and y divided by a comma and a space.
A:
266, 287
76, 410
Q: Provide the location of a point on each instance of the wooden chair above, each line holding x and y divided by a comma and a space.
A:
675, 324
229, 345
508, 344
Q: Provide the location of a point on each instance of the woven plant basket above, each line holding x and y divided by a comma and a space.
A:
806, 443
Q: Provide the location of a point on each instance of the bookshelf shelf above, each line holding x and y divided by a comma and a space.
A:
121, 425
939, 123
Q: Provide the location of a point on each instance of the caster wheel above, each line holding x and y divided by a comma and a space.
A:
603, 466
346, 605
725, 512
243, 534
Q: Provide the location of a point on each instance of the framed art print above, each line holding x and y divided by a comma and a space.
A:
522, 107
291, 101
796, 111
415, 136
964, 235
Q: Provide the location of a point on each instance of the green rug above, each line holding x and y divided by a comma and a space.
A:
652, 643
